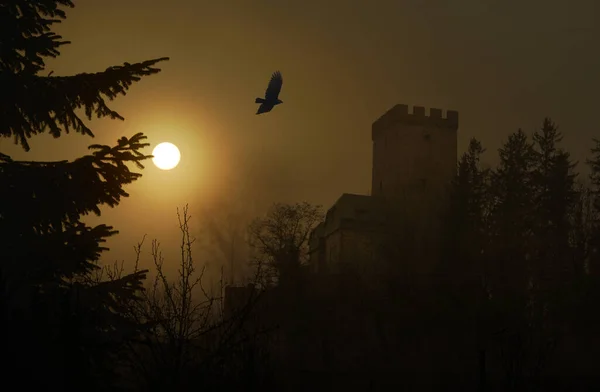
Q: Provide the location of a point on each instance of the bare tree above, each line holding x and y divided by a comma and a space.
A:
280, 238
183, 331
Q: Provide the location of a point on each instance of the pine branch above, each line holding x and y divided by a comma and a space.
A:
25, 36
117, 293
59, 192
61, 253
30, 104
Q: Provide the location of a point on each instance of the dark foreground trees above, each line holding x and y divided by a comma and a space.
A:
280, 239
54, 317
520, 246
185, 340
512, 301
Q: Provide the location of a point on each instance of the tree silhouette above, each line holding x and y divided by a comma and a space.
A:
463, 263
513, 240
593, 265
555, 200
54, 314
187, 340
281, 237
589, 243
512, 255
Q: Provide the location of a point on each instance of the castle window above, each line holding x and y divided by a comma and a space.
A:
380, 186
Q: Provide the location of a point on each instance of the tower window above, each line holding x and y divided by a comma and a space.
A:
380, 186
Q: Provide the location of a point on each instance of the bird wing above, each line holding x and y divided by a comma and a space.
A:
272, 93
264, 108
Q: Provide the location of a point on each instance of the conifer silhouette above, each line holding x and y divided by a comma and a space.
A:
55, 317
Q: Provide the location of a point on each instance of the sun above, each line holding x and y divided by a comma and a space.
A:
166, 156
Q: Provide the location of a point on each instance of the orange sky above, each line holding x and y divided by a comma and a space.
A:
503, 65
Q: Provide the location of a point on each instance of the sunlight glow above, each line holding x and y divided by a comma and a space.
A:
166, 156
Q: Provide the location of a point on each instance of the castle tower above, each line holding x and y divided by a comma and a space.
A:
413, 152
414, 158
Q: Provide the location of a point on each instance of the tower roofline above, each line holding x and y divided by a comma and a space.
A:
399, 114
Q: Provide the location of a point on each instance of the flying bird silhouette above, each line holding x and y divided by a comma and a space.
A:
271, 98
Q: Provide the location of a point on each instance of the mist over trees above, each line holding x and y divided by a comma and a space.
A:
508, 301
518, 256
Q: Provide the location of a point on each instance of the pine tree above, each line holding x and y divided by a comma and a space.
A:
56, 319
593, 263
469, 203
511, 217
555, 273
533, 268
587, 323
464, 256
554, 179
511, 226
463, 259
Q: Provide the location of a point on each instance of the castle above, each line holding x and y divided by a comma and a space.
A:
414, 159
333, 335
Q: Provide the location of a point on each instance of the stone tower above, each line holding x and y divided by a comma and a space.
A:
414, 158
413, 154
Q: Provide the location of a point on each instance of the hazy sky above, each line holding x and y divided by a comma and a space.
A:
501, 64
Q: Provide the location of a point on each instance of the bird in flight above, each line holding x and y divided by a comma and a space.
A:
271, 98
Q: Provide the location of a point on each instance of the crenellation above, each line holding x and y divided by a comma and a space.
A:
419, 111
452, 117
400, 114
414, 158
399, 109
435, 113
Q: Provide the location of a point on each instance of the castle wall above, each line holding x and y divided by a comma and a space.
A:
333, 248
413, 152
414, 159
357, 245
347, 234
348, 245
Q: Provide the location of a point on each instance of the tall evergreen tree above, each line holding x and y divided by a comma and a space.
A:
464, 257
593, 262
587, 316
511, 227
531, 226
55, 317
554, 180
469, 206
511, 217
553, 269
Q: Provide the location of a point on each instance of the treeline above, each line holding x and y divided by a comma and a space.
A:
521, 256
500, 290
496, 288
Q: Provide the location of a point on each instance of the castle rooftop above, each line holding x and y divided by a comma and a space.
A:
399, 114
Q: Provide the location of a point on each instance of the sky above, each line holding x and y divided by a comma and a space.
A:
502, 65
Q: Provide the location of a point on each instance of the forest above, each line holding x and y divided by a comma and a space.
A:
495, 290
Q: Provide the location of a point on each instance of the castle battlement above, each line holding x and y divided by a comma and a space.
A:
399, 114
414, 159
